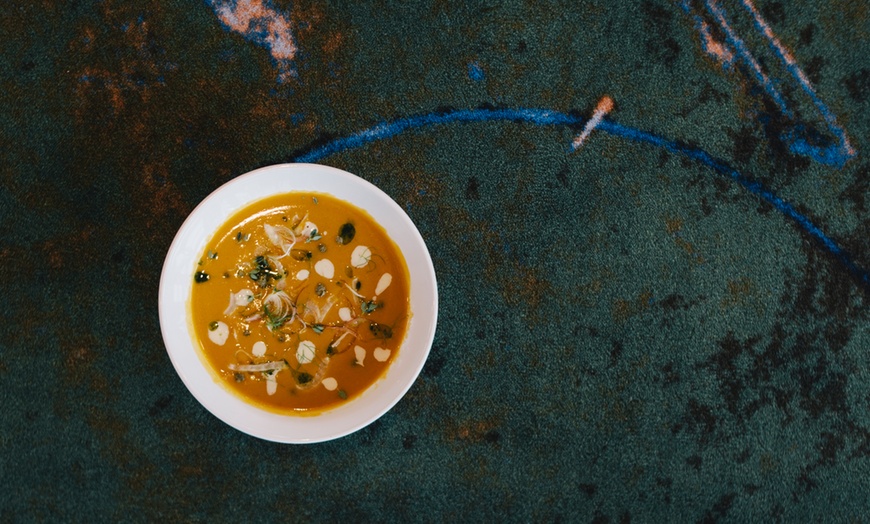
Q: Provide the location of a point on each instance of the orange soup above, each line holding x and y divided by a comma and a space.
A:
300, 302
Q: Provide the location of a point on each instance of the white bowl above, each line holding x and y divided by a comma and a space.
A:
176, 282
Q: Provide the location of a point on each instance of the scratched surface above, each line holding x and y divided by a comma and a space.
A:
649, 221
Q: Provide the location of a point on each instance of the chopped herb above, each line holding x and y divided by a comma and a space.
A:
348, 271
369, 306
273, 320
284, 218
346, 233
246, 332
319, 289
303, 378
330, 350
313, 236
212, 325
321, 247
200, 277
314, 199
282, 337
264, 272
212, 255
317, 328
226, 274
342, 394
380, 330
239, 377
239, 236
358, 285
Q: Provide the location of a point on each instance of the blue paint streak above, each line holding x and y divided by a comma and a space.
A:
543, 117
744, 53
475, 72
831, 155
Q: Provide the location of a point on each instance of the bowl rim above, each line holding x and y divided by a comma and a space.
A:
176, 283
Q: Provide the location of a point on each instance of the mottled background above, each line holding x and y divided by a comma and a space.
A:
669, 323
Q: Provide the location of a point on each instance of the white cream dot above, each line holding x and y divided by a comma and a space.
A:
325, 268
381, 354
219, 334
302, 274
330, 383
305, 352
271, 385
259, 349
344, 314
244, 297
360, 256
383, 283
360, 353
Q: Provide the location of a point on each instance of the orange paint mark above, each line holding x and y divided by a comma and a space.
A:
605, 105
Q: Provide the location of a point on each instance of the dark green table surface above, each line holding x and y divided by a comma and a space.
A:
669, 323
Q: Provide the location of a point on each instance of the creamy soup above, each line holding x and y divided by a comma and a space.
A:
300, 302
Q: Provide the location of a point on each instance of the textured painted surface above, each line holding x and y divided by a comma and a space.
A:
669, 322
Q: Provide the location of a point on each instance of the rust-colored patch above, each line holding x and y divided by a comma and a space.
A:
674, 227
78, 355
739, 291
332, 43
623, 309
130, 78
474, 431
51, 254
524, 287
161, 195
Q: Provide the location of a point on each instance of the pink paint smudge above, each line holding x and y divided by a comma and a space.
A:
714, 48
257, 21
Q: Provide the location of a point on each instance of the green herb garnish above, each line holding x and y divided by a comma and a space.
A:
264, 273
317, 328
273, 320
369, 306
200, 277
313, 236
342, 394
212, 325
